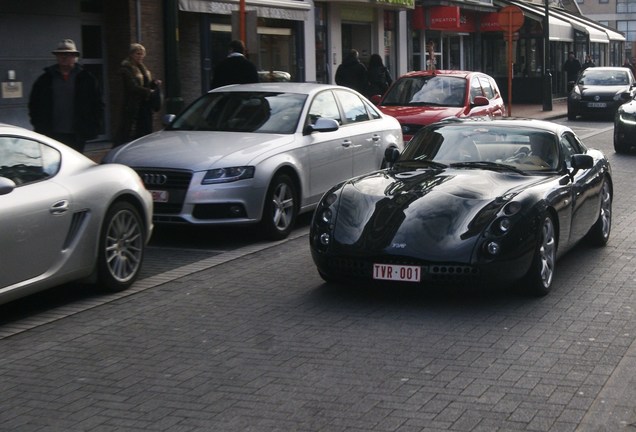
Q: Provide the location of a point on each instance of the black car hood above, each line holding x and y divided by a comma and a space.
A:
602, 90
430, 214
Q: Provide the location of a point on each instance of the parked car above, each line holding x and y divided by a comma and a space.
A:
259, 153
65, 218
625, 127
599, 91
467, 201
420, 98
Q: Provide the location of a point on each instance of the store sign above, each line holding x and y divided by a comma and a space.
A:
490, 22
444, 18
402, 3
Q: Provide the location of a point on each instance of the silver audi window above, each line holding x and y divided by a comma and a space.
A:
259, 112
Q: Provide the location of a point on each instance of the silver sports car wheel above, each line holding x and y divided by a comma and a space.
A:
541, 272
121, 247
600, 231
281, 208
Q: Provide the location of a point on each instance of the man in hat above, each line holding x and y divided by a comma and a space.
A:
66, 102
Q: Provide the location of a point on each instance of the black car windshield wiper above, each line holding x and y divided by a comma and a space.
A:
495, 166
418, 162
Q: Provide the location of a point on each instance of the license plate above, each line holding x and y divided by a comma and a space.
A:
597, 105
397, 272
159, 196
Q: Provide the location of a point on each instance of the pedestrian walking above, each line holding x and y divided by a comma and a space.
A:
235, 68
379, 76
352, 73
571, 67
142, 96
65, 102
630, 65
588, 62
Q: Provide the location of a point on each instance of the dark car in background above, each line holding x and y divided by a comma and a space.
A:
599, 91
420, 98
467, 202
625, 127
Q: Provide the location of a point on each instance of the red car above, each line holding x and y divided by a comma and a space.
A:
424, 97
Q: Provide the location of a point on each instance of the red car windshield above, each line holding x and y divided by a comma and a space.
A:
427, 90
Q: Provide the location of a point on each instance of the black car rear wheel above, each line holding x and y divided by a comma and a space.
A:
541, 274
600, 231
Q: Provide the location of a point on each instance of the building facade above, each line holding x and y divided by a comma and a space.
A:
306, 39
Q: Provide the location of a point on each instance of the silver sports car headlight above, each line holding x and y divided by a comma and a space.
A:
226, 175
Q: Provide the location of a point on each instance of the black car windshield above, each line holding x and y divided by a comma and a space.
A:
502, 148
600, 77
259, 112
427, 90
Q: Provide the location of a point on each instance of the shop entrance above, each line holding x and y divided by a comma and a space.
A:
357, 36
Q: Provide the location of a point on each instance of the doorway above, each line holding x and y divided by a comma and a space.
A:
357, 36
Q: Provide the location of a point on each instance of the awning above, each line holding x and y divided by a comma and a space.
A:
279, 9
560, 30
614, 36
594, 34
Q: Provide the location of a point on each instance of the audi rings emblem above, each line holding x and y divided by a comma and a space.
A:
155, 179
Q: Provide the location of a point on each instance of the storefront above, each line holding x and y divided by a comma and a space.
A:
275, 37
369, 26
468, 36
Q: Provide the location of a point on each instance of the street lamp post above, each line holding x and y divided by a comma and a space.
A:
547, 76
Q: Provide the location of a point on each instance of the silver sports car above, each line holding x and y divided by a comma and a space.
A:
64, 218
259, 153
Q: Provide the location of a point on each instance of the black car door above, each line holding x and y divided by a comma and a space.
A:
585, 189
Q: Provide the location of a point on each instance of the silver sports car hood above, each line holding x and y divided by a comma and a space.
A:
197, 151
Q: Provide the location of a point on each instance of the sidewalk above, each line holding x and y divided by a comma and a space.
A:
96, 150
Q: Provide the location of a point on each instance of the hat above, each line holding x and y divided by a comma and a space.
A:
66, 46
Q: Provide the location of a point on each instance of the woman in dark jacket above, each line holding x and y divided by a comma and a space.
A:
379, 76
140, 96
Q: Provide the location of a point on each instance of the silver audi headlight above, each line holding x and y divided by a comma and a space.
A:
227, 175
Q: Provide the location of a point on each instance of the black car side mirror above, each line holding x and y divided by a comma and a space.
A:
581, 161
391, 155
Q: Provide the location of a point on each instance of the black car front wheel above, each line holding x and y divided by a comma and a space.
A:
281, 208
620, 146
541, 274
121, 247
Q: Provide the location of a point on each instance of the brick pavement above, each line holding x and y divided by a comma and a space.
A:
256, 342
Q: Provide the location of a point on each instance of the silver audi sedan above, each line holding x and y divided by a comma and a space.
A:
65, 218
259, 153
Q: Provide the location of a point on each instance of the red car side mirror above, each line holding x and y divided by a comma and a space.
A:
480, 101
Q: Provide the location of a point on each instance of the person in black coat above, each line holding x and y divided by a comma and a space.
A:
66, 101
235, 68
352, 73
379, 76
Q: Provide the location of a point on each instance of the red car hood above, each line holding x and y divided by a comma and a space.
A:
421, 115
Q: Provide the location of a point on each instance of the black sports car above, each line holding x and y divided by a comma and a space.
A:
467, 201
599, 91
625, 127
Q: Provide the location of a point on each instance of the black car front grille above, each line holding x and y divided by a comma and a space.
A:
362, 268
174, 182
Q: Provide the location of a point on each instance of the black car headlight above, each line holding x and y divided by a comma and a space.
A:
226, 175
324, 219
627, 117
575, 94
500, 227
